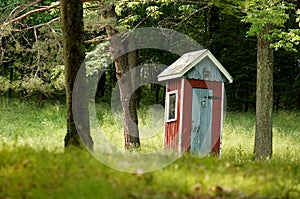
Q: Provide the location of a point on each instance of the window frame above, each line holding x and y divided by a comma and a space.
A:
168, 106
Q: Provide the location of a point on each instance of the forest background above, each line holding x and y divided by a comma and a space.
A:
31, 51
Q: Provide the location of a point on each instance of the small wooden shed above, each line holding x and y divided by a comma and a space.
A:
194, 103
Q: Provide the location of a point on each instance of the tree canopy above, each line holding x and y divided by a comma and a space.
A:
31, 48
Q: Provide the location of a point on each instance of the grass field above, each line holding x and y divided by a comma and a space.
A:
33, 163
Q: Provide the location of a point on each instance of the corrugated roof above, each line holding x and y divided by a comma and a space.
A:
187, 61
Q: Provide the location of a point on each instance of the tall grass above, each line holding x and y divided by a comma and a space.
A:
24, 123
151, 127
239, 132
32, 164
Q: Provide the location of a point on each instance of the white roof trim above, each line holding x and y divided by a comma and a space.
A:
167, 77
193, 63
220, 67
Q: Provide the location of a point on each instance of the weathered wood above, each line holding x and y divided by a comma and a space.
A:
201, 134
217, 109
198, 127
171, 140
205, 65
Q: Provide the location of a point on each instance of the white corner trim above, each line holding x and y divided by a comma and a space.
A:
221, 122
220, 67
181, 116
165, 113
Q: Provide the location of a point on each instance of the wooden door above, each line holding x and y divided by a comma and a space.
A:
201, 133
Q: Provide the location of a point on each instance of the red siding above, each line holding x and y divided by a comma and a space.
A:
172, 128
187, 116
187, 112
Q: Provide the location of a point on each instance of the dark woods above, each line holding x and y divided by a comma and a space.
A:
31, 63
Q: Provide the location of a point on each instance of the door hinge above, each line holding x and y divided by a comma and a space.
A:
213, 97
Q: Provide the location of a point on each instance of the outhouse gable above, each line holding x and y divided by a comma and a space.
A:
200, 65
205, 70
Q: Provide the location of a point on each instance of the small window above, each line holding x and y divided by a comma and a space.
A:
172, 97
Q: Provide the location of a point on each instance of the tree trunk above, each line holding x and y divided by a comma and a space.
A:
131, 61
212, 21
11, 78
264, 97
131, 132
74, 53
1, 57
157, 89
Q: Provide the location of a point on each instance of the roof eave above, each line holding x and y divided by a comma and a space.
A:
168, 77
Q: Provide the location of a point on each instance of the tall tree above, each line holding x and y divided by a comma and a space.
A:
74, 53
264, 95
123, 64
264, 16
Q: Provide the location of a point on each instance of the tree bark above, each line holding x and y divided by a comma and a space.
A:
1, 57
211, 21
74, 53
131, 59
131, 132
264, 97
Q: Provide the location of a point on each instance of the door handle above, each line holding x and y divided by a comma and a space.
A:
203, 104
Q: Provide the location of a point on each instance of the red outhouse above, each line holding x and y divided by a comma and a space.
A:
194, 103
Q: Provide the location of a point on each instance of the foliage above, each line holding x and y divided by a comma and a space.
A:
5, 84
33, 57
288, 40
259, 13
97, 59
263, 12
30, 51
58, 78
91, 18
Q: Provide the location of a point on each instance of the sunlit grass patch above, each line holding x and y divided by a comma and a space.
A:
24, 123
239, 133
286, 135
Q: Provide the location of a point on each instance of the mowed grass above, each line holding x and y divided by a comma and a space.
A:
33, 163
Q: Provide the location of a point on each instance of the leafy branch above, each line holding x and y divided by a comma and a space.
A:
30, 13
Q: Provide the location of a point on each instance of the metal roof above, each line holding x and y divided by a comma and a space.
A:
188, 61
